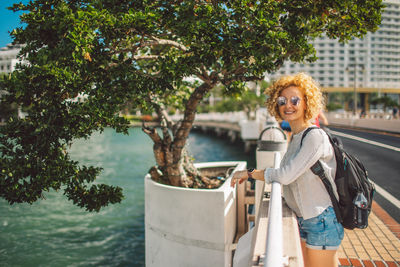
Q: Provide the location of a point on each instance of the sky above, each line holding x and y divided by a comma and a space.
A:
8, 20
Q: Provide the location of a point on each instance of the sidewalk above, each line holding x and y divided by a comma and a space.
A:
378, 245
381, 124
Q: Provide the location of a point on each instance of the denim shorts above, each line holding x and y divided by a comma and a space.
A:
321, 232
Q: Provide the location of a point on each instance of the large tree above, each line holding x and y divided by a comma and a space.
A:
154, 54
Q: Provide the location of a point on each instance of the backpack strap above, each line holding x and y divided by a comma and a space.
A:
318, 170
305, 133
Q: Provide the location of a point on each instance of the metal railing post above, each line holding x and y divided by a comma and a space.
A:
274, 246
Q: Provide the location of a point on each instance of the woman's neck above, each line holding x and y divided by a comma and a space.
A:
297, 127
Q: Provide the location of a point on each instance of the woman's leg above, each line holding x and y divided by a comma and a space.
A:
323, 235
320, 258
304, 251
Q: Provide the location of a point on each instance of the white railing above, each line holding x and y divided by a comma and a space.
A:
266, 244
274, 244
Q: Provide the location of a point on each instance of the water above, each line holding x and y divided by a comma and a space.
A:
53, 232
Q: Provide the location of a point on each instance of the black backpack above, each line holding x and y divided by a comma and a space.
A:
353, 187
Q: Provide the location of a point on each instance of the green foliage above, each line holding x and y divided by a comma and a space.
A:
333, 106
226, 105
248, 101
227, 101
7, 111
386, 101
111, 52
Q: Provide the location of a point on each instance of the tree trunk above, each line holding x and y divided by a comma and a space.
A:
182, 173
174, 165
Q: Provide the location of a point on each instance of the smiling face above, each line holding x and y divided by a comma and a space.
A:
292, 105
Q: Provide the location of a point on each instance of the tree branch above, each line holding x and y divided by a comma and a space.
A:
188, 118
145, 57
157, 41
152, 133
203, 75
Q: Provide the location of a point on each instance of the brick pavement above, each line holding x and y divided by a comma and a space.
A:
378, 245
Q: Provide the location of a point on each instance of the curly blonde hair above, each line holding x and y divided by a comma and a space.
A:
305, 83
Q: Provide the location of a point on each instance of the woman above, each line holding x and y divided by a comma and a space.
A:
298, 99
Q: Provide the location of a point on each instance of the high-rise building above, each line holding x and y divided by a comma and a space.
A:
371, 64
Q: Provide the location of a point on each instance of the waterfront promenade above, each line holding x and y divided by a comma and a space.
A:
379, 244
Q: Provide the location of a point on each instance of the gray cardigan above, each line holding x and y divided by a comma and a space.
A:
304, 191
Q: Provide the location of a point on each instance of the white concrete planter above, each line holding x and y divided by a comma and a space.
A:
190, 227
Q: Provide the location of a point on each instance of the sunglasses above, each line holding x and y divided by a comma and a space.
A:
295, 100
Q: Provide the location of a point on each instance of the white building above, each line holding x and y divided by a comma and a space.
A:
373, 62
8, 61
8, 58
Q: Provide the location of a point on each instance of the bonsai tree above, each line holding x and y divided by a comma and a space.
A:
154, 54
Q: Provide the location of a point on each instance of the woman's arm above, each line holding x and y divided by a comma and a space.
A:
310, 152
312, 149
242, 176
323, 118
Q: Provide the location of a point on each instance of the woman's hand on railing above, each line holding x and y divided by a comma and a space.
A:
240, 176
